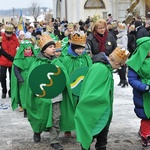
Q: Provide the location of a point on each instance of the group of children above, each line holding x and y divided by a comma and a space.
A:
89, 112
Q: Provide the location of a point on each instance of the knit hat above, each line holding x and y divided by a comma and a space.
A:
114, 25
21, 33
120, 55
45, 41
78, 38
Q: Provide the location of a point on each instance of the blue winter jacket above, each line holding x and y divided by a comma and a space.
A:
138, 89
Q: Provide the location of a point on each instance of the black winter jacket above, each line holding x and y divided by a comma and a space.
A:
92, 44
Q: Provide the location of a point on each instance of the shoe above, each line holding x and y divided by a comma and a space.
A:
146, 143
56, 146
124, 84
37, 137
120, 83
25, 114
3, 95
20, 109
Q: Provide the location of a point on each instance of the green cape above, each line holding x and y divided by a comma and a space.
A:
68, 104
94, 110
141, 65
39, 110
23, 63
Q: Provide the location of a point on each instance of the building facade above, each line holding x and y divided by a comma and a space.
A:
74, 10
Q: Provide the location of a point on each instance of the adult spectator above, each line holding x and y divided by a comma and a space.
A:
140, 30
8, 51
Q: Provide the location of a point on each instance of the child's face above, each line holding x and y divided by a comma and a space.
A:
57, 54
79, 51
28, 49
50, 50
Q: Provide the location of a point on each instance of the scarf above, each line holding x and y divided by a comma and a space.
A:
27, 54
101, 41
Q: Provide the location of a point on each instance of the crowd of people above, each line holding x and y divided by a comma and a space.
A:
61, 72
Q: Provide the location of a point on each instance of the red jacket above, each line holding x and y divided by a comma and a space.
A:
9, 45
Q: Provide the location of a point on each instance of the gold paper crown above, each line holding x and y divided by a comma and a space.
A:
9, 28
44, 39
95, 18
58, 44
78, 38
121, 26
70, 25
120, 54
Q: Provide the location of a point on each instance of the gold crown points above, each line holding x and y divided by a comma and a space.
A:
44, 39
121, 53
95, 18
78, 38
9, 28
121, 26
70, 25
58, 44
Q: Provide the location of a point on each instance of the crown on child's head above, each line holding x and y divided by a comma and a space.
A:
78, 38
58, 46
70, 25
121, 26
8, 28
120, 55
44, 39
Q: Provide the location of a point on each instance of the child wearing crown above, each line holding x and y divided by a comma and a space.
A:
76, 58
139, 79
94, 110
44, 113
23, 60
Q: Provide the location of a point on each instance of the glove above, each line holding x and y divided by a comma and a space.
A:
147, 88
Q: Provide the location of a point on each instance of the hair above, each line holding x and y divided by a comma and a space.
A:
97, 23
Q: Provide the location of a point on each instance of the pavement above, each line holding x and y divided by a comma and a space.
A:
16, 133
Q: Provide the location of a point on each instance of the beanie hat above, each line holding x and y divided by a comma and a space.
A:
73, 47
138, 23
21, 33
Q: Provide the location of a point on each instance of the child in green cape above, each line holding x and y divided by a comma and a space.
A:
44, 113
23, 60
76, 58
94, 110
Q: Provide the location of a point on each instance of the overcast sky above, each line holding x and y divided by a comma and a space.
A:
9, 4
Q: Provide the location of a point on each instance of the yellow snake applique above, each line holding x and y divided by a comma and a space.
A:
42, 85
75, 84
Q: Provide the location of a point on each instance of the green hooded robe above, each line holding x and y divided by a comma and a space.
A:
94, 110
39, 110
68, 105
23, 63
141, 65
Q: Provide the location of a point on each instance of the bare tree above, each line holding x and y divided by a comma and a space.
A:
34, 10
